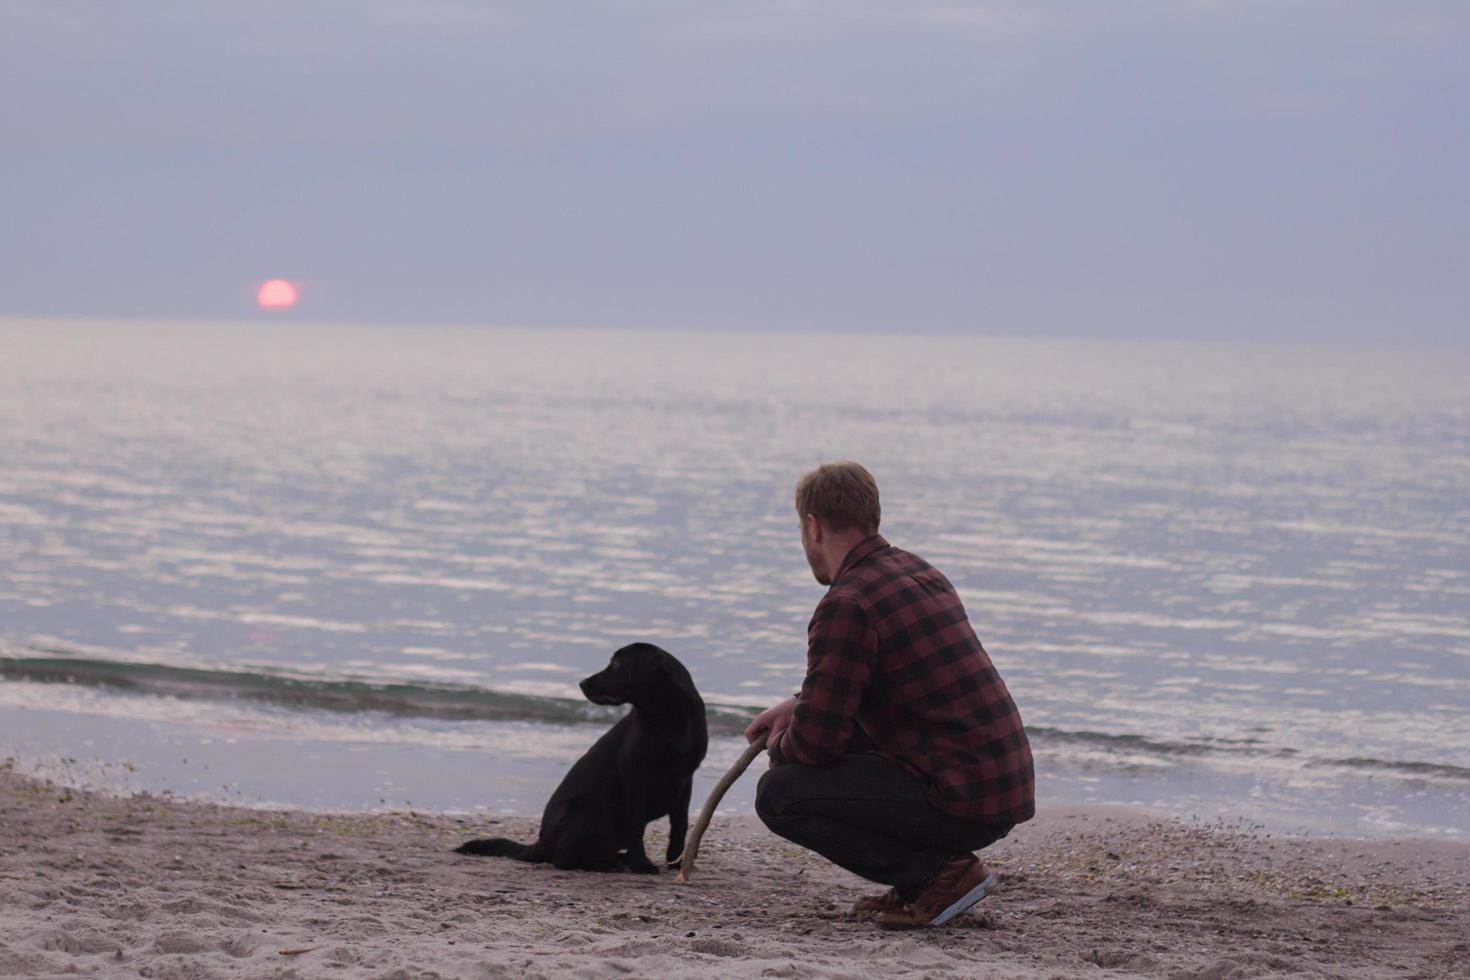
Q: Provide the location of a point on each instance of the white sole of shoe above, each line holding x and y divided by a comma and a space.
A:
966, 900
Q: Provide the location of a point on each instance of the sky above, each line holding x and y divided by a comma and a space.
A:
1176, 169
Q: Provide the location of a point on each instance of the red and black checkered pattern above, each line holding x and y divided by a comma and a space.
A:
891, 651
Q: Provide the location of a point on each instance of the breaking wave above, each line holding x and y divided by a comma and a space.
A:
450, 702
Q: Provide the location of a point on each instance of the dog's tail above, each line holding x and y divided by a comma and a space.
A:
502, 847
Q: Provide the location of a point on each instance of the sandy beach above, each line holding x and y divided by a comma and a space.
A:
159, 887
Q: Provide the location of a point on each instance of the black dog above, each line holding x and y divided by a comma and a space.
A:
641, 770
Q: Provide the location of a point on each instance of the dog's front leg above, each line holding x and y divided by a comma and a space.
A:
637, 856
633, 826
679, 823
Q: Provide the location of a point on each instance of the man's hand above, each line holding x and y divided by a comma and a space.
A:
773, 722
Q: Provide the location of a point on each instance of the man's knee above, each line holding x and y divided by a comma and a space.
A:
776, 791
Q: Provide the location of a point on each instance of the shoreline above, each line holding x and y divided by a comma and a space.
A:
223, 752
162, 887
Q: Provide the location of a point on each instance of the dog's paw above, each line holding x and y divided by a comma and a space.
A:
644, 868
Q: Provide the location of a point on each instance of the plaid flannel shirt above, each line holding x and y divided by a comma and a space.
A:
891, 651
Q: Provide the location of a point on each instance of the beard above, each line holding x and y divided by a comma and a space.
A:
815, 562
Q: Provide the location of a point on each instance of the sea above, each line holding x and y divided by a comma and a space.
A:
357, 567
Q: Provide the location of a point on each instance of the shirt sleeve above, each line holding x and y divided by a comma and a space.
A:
841, 651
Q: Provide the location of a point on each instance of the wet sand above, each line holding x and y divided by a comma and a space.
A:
159, 887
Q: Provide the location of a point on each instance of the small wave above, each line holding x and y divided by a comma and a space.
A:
1218, 748
1120, 742
451, 702
438, 701
1430, 769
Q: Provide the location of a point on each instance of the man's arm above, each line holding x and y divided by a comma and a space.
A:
841, 651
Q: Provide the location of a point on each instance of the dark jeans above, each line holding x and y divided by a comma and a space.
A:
870, 816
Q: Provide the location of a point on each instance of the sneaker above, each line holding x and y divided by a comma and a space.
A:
878, 904
958, 885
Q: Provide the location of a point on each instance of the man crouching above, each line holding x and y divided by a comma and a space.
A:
903, 753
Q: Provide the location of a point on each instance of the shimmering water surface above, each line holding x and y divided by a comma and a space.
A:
1228, 580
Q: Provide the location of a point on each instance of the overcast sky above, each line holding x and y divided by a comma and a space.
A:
1291, 169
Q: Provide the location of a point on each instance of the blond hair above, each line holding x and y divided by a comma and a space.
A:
841, 496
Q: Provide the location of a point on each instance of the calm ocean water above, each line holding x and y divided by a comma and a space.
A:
349, 566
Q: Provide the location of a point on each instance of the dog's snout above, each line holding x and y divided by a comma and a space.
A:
599, 690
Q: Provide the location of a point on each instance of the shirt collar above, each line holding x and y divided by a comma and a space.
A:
859, 551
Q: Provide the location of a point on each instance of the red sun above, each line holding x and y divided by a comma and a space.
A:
276, 294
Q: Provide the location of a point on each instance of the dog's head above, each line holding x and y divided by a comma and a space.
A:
642, 675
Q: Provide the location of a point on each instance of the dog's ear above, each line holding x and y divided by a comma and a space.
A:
672, 675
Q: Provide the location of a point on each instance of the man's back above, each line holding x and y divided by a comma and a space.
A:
891, 650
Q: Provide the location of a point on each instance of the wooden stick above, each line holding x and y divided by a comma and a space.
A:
691, 845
